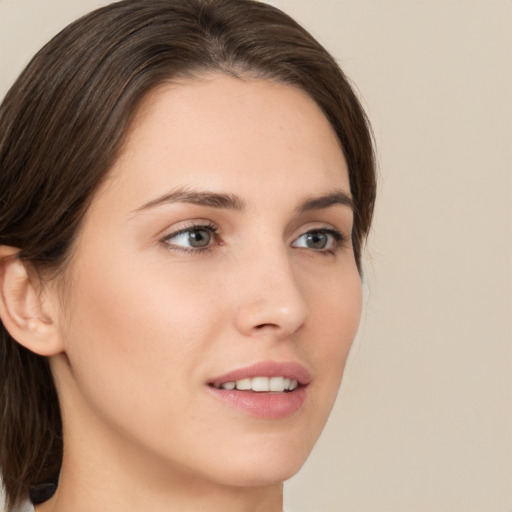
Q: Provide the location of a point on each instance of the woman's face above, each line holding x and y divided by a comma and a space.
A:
218, 250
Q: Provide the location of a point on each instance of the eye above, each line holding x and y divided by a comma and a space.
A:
319, 240
193, 238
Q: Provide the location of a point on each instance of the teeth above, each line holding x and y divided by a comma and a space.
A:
276, 384
244, 384
262, 384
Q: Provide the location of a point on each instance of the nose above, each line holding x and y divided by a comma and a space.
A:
271, 301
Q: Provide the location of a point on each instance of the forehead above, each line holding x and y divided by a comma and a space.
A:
225, 133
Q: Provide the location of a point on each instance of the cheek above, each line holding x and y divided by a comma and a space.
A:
138, 334
335, 314
138, 304
335, 307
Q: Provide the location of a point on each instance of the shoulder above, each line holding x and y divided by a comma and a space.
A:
25, 506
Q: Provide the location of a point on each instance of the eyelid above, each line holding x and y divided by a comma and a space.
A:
186, 225
337, 229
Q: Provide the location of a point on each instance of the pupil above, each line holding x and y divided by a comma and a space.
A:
199, 238
317, 240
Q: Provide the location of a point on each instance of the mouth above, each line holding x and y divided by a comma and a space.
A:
261, 384
267, 389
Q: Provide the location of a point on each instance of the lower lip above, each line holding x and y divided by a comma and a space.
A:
263, 405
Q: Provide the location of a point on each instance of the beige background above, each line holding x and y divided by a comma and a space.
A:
424, 419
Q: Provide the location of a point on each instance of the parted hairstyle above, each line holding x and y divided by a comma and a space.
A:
62, 125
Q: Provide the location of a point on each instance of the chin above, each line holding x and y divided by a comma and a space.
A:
271, 473
268, 461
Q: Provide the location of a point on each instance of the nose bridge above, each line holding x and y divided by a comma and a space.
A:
272, 300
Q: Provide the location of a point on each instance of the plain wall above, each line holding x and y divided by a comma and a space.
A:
423, 422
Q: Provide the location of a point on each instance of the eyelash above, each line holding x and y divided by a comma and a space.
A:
340, 240
210, 227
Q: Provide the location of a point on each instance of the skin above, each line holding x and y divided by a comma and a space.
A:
145, 322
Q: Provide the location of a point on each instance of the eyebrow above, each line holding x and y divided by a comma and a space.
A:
337, 197
201, 198
233, 202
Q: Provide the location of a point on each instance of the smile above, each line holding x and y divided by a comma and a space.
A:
267, 389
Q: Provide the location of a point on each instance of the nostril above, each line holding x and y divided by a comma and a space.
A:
263, 326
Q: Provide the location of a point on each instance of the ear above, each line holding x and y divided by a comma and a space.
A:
27, 314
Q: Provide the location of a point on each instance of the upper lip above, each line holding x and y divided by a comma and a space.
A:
287, 369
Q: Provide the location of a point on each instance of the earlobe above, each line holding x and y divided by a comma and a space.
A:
25, 313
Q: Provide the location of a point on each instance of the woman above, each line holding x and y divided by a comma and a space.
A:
185, 189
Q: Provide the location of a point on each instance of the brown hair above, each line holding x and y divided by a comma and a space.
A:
62, 124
